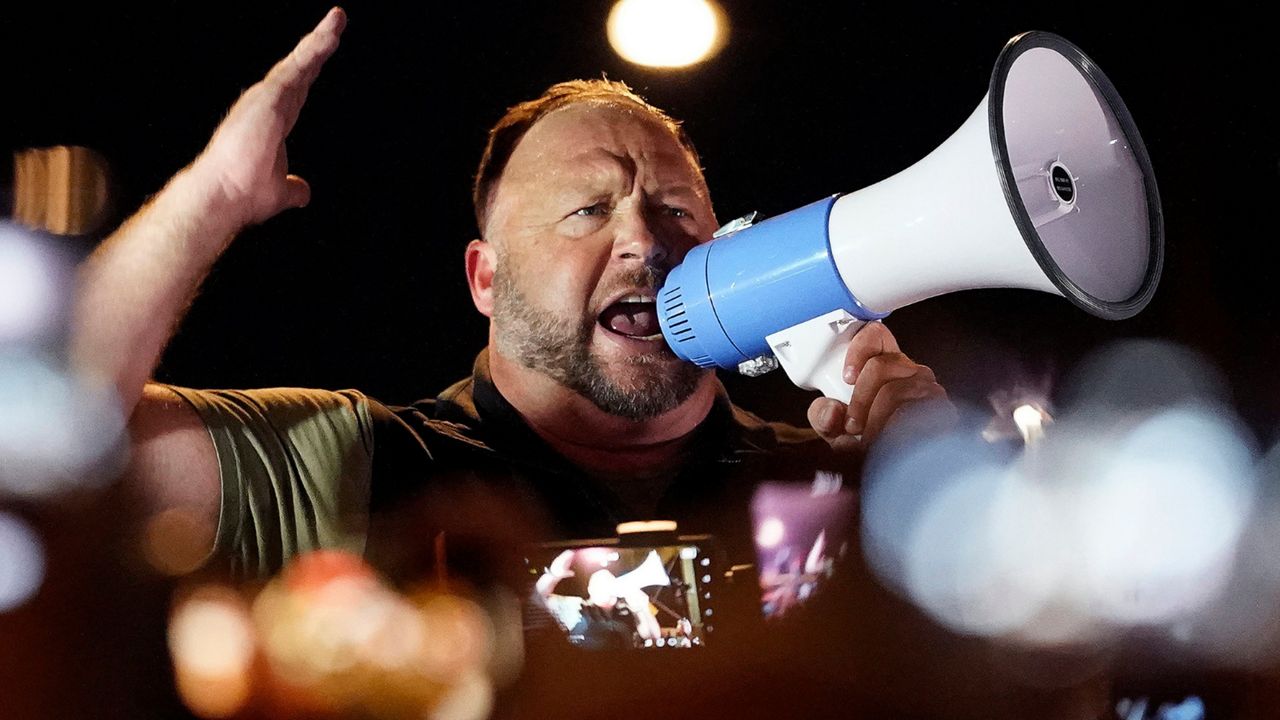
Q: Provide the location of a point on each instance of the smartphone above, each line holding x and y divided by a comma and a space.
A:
646, 591
801, 534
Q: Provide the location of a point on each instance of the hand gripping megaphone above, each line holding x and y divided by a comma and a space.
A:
1047, 186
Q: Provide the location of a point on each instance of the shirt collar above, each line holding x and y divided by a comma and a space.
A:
476, 401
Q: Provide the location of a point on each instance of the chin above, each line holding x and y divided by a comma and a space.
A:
639, 362
658, 382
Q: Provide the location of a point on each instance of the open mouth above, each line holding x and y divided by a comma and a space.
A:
634, 316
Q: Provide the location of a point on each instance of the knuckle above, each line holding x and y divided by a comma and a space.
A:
906, 389
891, 365
926, 371
875, 329
874, 366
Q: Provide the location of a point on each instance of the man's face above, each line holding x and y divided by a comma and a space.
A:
602, 589
596, 204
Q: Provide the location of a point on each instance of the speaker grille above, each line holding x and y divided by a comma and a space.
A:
678, 328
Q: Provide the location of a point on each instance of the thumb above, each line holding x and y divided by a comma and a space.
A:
297, 192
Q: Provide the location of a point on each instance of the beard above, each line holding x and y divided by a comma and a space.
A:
643, 387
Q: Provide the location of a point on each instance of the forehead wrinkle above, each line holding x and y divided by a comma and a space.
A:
604, 168
540, 163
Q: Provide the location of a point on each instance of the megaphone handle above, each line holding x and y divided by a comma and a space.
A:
813, 352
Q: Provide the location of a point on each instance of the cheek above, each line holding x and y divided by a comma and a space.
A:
565, 284
563, 274
686, 238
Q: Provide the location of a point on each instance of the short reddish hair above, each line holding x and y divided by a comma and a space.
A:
506, 134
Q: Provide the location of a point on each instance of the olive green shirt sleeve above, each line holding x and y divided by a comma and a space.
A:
295, 467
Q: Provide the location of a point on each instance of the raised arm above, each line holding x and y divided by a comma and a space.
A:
559, 569
137, 284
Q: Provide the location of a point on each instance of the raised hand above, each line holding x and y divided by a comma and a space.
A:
245, 166
562, 566
135, 286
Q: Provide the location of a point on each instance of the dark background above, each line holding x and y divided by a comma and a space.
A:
365, 287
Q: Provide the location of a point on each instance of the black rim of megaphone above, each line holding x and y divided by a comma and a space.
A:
1155, 218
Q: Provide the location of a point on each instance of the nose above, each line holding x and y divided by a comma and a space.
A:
640, 237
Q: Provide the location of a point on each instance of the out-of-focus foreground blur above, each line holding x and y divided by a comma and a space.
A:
1098, 529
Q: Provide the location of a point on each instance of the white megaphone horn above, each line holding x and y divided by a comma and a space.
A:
647, 574
1047, 186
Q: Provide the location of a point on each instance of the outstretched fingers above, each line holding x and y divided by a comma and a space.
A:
293, 76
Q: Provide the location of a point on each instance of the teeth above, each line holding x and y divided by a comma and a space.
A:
638, 299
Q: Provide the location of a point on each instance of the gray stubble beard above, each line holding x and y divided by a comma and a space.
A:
540, 341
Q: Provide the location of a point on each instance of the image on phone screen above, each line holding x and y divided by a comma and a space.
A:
800, 534
611, 596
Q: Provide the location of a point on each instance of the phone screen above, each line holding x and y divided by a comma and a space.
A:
609, 595
801, 533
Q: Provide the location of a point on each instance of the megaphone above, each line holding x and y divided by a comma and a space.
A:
647, 574
1047, 186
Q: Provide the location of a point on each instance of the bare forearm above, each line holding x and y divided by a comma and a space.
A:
546, 584
136, 286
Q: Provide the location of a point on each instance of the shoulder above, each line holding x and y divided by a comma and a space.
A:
424, 447
281, 403
424, 424
306, 415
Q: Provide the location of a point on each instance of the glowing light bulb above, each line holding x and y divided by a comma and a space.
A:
665, 33
1030, 422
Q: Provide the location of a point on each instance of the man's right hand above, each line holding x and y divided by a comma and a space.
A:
245, 167
135, 286
562, 566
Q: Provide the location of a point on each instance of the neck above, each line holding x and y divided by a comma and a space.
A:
591, 438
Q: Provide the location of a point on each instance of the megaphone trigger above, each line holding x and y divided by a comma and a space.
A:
813, 352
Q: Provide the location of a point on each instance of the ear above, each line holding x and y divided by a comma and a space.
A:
482, 261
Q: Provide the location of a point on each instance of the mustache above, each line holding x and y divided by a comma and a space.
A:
646, 277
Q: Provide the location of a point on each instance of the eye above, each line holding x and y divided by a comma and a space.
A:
675, 212
592, 210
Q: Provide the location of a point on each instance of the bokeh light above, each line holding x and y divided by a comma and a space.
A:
177, 541
56, 432
983, 555
471, 698
1132, 516
1158, 528
338, 639
666, 33
21, 562
212, 643
31, 298
771, 532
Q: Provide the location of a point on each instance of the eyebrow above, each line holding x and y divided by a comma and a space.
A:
681, 189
